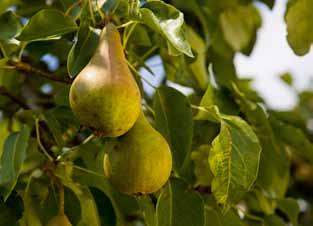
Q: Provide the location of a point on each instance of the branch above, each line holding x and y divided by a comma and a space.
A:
5, 92
20, 66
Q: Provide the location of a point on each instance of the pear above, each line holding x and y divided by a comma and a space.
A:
59, 220
140, 161
104, 95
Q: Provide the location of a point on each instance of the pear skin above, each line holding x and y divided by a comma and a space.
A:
59, 220
104, 95
140, 161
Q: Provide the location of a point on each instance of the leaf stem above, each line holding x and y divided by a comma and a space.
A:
20, 53
135, 71
61, 199
39, 141
126, 24
198, 108
91, 13
85, 170
88, 139
128, 34
2, 50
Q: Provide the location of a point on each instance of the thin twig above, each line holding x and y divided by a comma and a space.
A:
21, 66
5, 92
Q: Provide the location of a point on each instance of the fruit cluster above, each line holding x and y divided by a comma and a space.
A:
105, 97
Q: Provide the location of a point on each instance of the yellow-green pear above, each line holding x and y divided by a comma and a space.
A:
104, 96
140, 161
59, 220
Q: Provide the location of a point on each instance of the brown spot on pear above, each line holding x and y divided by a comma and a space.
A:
59, 220
104, 95
141, 160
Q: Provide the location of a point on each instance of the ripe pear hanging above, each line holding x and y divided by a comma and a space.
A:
104, 96
59, 220
140, 161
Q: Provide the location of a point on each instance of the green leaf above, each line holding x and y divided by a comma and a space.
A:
231, 218
6, 3
62, 124
179, 206
8, 215
89, 212
173, 117
234, 160
299, 20
12, 159
198, 10
224, 69
253, 220
168, 22
208, 110
47, 24
215, 217
147, 210
82, 50
4, 133
287, 78
9, 47
30, 216
237, 30
273, 175
273, 220
110, 5
212, 217
259, 201
294, 138
10, 25
291, 208
198, 67
202, 169
204, 132
269, 3
177, 69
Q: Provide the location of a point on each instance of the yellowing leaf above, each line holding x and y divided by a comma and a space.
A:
234, 160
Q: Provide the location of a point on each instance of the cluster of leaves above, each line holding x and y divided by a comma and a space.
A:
235, 161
